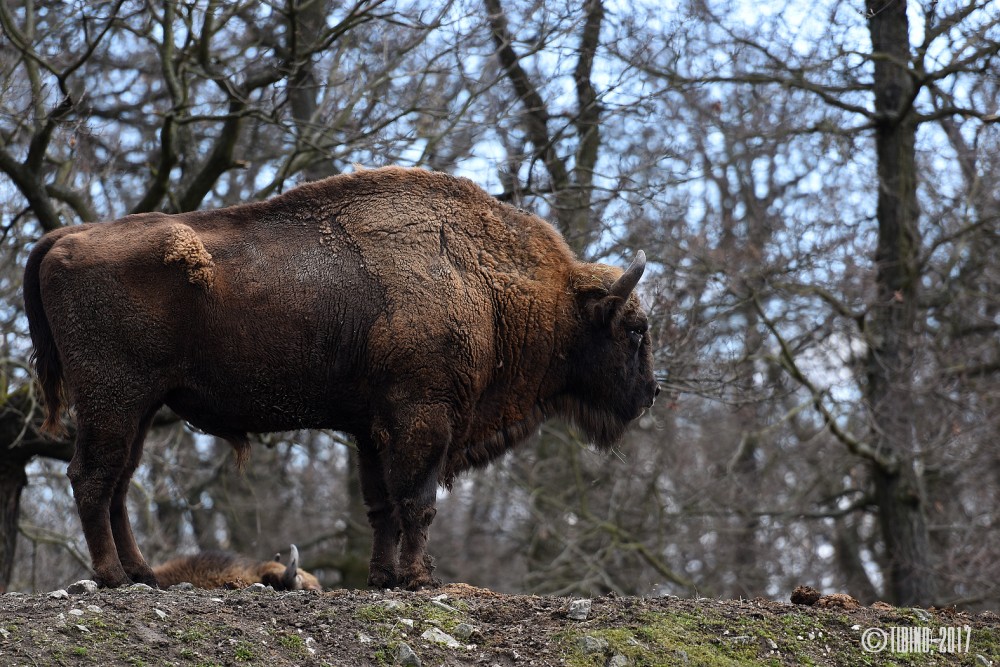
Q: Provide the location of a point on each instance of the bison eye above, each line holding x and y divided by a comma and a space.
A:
635, 336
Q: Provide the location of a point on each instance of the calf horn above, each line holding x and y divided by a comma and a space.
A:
291, 575
628, 280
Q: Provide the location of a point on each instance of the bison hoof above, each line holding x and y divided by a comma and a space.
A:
148, 580
380, 578
421, 583
112, 580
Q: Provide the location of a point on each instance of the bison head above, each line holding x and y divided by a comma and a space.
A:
611, 378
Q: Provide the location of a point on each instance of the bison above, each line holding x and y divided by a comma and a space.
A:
222, 569
434, 323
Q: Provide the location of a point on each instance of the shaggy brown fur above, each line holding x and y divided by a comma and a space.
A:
436, 324
221, 569
183, 247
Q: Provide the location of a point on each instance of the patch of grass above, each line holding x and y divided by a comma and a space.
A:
716, 640
667, 638
192, 635
244, 653
380, 613
386, 655
79, 651
442, 618
293, 642
985, 643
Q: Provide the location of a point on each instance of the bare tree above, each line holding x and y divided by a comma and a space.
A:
875, 93
816, 193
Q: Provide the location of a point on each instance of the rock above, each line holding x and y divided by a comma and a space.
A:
364, 639
160, 613
256, 588
444, 607
983, 661
466, 632
805, 595
84, 586
183, 586
406, 657
141, 588
59, 595
579, 610
76, 612
681, 657
922, 614
149, 635
439, 636
408, 622
393, 604
94, 609
617, 660
589, 644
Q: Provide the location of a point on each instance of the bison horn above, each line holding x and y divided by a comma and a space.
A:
291, 575
628, 280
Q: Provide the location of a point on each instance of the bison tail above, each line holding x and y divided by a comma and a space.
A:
45, 357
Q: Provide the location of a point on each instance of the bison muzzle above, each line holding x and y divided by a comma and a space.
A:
410, 309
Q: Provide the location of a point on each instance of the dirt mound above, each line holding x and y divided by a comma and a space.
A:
457, 625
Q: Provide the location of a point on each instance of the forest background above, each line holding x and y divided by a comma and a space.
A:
816, 185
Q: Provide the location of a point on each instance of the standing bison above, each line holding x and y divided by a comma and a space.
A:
436, 324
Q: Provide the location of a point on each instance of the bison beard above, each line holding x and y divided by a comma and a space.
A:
436, 324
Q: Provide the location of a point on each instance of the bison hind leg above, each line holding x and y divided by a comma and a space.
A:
131, 558
95, 472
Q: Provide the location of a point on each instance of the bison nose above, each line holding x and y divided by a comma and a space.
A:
656, 392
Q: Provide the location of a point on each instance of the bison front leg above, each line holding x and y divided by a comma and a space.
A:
415, 564
381, 516
414, 470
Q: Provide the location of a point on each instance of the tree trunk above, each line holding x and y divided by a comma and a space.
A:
892, 323
20, 442
12, 482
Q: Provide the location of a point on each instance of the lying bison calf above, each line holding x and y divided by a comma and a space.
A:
221, 569
436, 324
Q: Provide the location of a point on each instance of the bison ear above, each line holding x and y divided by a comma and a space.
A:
601, 309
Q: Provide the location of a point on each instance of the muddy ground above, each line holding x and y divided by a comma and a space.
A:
462, 625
